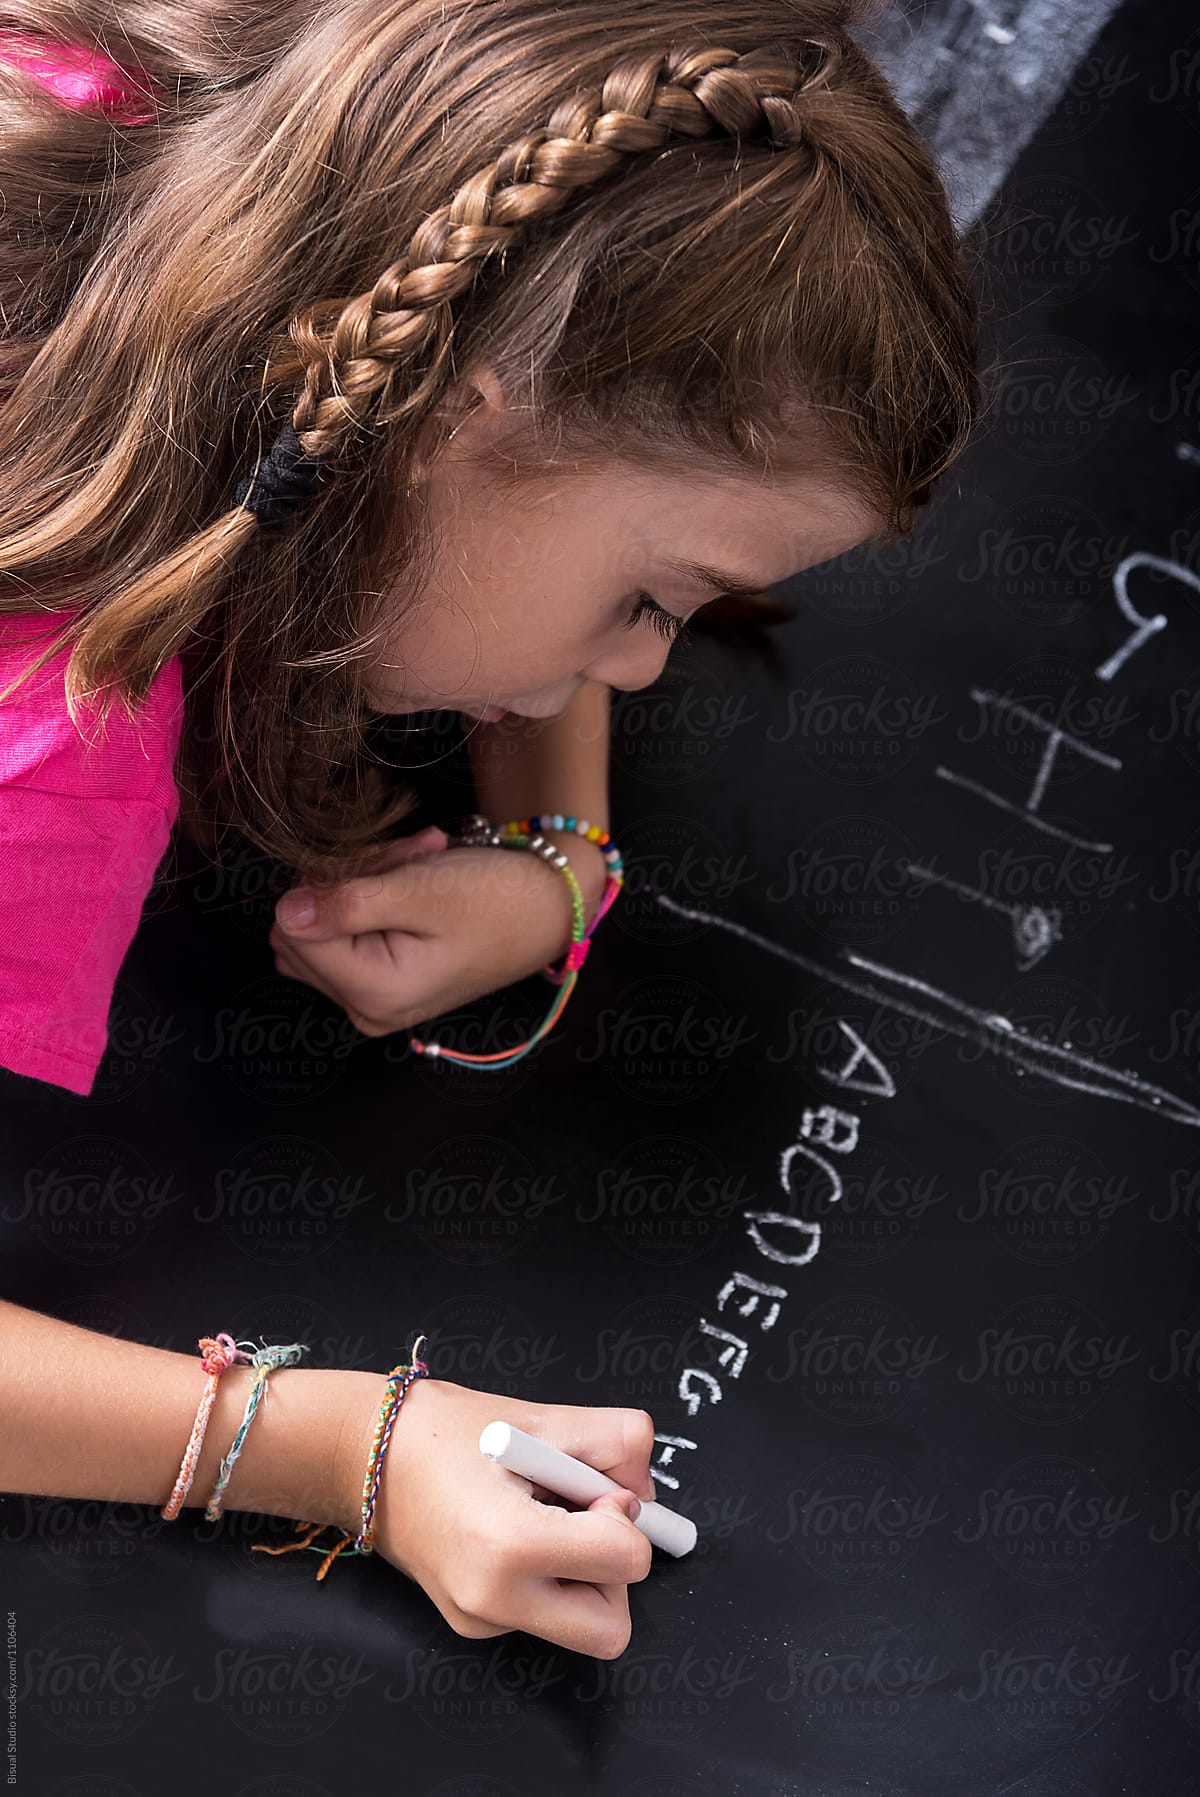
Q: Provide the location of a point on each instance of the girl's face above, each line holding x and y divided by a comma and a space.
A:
530, 599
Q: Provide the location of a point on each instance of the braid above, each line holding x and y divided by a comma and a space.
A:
771, 272
353, 367
352, 356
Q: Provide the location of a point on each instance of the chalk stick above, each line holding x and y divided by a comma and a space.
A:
575, 1479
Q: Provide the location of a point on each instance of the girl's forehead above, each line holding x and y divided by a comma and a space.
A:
695, 489
714, 517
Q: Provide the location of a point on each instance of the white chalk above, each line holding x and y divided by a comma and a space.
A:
575, 1479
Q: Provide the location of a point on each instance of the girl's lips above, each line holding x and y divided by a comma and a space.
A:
487, 714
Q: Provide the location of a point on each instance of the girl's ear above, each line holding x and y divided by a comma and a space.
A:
476, 400
482, 376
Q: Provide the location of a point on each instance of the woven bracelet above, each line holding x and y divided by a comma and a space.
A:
400, 1380
216, 1353
264, 1361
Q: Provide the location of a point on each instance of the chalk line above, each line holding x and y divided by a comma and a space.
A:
1031, 817
996, 1034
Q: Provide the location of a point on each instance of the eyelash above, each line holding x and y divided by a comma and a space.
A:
665, 622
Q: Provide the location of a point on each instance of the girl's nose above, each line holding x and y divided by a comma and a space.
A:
630, 667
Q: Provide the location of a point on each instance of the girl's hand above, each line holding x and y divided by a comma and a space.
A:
479, 1539
425, 931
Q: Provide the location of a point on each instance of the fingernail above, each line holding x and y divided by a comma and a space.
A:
635, 1510
296, 910
648, 1494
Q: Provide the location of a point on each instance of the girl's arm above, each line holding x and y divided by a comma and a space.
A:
86, 1415
557, 764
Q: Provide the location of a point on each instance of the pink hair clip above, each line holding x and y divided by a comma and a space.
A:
80, 77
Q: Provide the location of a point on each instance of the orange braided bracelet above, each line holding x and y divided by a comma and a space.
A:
216, 1353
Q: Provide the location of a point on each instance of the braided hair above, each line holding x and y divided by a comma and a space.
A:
777, 141
355, 365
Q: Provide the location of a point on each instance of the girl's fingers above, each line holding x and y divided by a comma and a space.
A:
590, 1619
598, 1546
388, 981
587, 1619
371, 976
615, 1441
544, 1495
398, 890
295, 968
582, 1611
291, 965
464, 888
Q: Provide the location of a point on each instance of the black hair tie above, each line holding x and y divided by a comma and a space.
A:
283, 479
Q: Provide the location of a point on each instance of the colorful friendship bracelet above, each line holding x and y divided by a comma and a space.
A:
400, 1380
614, 877
216, 1353
264, 1361
479, 832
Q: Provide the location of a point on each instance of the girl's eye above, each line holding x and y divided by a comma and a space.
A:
665, 622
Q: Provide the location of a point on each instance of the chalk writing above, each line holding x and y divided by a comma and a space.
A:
1055, 738
833, 1128
1036, 928
788, 1240
1144, 627
1063, 1066
880, 1085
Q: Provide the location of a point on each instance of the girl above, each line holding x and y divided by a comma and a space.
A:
368, 359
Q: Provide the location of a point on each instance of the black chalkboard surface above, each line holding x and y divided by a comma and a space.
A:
866, 1159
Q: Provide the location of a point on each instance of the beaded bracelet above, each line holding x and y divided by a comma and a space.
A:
264, 1361
399, 1382
216, 1353
477, 832
614, 878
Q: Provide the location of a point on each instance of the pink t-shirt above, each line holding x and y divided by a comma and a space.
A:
82, 827
84, 822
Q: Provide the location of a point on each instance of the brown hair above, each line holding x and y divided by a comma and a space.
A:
664, 224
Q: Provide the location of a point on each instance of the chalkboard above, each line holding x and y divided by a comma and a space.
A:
866, 1159
979, 76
